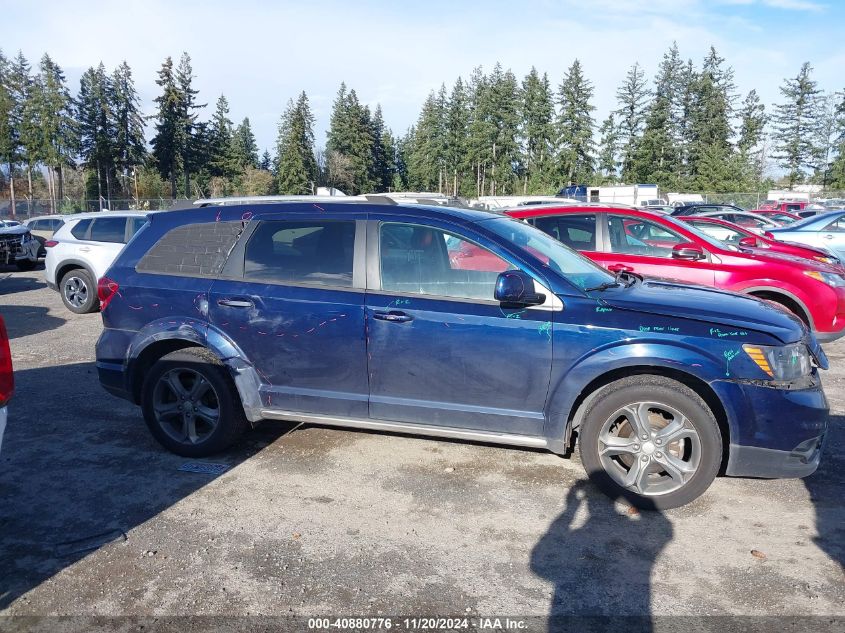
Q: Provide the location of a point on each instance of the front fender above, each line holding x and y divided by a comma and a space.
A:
205, 335
570, 386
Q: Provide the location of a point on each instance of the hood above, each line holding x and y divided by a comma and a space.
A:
766, 255
14, 230
707, 306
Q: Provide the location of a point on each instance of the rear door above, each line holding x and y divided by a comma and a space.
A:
645, 247
102, 242
442, 351
292, 298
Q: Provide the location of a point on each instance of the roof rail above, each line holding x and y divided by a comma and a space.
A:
205, 202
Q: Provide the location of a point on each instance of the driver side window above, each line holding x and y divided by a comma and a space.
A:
635, 236
428, 261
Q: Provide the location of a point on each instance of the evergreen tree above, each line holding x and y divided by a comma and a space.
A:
826, 139
796, 122
752, 122
837, 170
297, 165
245, 149
97, 131
170, 138
608, 163
56, 122
575, 127
9, 131
266, 162
656, 157
427, 156
537, 133
381, 174
195, 147
130, 151
455, 142
683, 126
221, 159
632, 97
710, 150
350, 141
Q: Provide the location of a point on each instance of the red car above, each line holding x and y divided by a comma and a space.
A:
784, 217
663, 246
740, 236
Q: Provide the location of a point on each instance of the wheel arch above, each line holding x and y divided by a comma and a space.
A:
786, 298
72, 264
697, 384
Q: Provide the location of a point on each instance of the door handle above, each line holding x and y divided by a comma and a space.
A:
236, 303
828, 236
393, 316
84, 249
620, 268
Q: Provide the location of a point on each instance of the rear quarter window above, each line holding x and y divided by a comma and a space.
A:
80, 231
112, 230
192, 250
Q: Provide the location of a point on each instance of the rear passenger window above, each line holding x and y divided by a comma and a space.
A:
196, 250
108, 230
312, 252
576, 231
81, 229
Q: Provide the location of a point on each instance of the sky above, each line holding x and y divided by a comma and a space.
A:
260, 54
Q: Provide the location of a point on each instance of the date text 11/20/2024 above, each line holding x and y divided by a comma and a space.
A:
418, 624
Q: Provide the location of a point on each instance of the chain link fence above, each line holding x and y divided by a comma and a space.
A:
26, 208
754, 200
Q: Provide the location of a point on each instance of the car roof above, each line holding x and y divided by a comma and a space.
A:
582, 207
470, 215
51, 217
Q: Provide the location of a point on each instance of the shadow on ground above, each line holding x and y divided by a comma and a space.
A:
26, 320
827, 491
81, 470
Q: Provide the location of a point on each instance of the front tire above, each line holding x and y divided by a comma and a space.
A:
79, 291
652, 441
191, 405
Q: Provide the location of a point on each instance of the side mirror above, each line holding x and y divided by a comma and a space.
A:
749, 242
517, 288
769, 235
688, 251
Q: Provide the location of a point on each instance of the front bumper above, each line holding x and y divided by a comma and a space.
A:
780, 433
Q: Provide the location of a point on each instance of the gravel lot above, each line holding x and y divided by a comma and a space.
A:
96, 518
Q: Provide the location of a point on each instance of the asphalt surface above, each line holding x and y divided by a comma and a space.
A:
97, 519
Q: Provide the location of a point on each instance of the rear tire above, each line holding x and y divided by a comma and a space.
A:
650, 440
191, 405
79, 291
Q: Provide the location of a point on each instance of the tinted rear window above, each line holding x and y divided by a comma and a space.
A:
312, 252
81, 228
108, 230
192, 249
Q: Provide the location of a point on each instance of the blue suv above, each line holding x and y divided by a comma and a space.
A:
453, 323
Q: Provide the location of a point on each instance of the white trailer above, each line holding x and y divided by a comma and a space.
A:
634, 195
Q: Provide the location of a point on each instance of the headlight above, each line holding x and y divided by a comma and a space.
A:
785, 362
826, 259
831, 279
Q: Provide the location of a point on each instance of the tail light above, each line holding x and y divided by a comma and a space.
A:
106, 290
7, 379
50, 243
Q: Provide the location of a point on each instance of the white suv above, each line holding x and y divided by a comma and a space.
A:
81, 251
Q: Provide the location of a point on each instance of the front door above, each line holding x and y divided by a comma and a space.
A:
293, 302
441, 351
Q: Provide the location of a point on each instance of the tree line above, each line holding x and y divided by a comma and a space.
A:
490, 133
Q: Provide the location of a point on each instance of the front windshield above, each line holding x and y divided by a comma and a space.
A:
573, 266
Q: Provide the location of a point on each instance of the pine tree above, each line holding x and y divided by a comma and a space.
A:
381, 174
56, 122
427, 157
683, 125
9, 130
711, 131
837, 169
170, 138
575, 127
537, 133
245, 149
752, 122
130, 151
97, 131
296, 165
632, 97
826, 139
796, 123
608, 163
266, 162
349, 143
195, 147
455, 143
221, 160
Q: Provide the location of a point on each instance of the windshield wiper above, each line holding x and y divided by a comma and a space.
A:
617, 281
